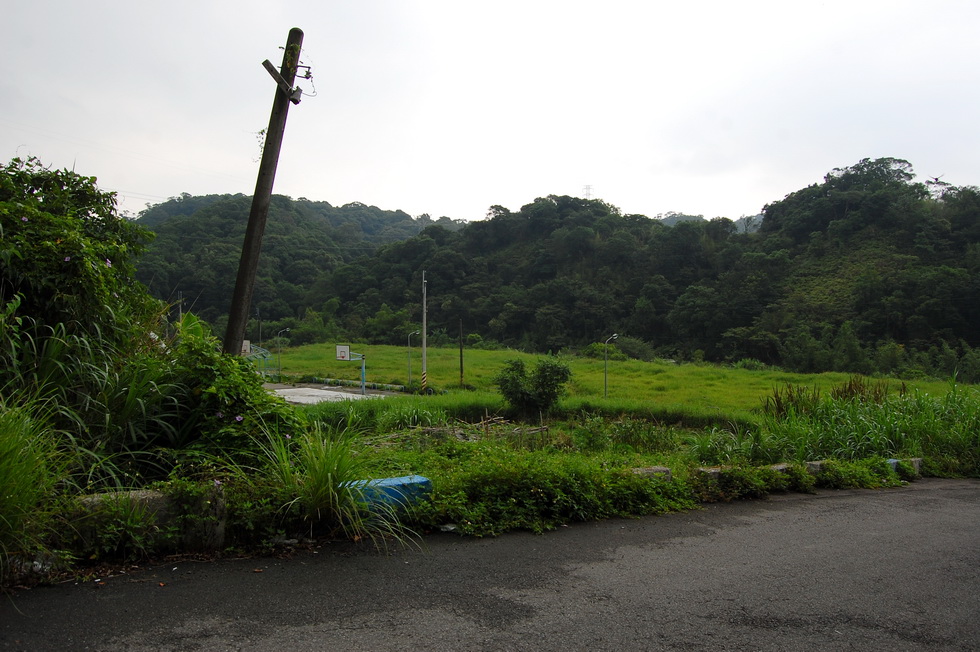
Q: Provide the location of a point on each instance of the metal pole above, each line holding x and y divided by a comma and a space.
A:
605, 371
424, 329
279, 341
363, 375
262, 198
410, 358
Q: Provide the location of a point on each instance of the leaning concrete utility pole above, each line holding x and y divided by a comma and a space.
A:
247, 266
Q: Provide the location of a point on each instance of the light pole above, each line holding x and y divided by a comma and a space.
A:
279, 342
605, 370
410, 358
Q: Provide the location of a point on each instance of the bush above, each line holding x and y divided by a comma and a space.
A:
492, 489
634, 347
871, 473
736, 482
117, 527
69, 257
599, 350
533, 394
750, 364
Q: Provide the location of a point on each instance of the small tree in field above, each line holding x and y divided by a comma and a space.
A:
537, 392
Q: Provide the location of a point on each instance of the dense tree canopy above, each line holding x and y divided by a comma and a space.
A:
84, 344
198, 244
868, 270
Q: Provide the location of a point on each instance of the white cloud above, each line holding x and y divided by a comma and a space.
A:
448, 107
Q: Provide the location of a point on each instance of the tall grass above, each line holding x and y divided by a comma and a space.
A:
698, 395
30, 469
849, 425
398, 412
322, 479
110, 411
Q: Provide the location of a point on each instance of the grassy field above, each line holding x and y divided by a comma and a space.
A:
687, 388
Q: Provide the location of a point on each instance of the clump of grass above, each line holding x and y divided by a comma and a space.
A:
116, 526
859, 420
791, 400
347, 416
322, 478
30, 469
414, 414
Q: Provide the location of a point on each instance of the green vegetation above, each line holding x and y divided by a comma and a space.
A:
534, 393
324, 477
868, 272
198, 245
29, 472
126, 435
494, 475
697, 394
100, 392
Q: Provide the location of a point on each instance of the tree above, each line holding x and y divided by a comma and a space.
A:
82, 338
68, 256
536, 393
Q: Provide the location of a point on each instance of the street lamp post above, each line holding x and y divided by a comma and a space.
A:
410, 358
605, 370
279, 342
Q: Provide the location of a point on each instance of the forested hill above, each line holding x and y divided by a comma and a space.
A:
199, 239
867, 271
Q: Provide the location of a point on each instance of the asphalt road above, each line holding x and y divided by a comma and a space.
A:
895, 569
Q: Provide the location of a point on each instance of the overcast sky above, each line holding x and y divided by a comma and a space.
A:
450, 107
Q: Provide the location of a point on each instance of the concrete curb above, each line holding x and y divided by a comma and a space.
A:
715, 472
813, 468
204, 531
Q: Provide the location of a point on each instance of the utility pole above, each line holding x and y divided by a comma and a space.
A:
249, 262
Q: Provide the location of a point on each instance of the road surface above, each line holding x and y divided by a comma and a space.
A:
896, 569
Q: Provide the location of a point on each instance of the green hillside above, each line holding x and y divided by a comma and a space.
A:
195, 254
868, 271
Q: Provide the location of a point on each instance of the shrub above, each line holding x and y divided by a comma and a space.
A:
79, 332
736, 482
493, 489
535, 393
69, 256
634, 347
871, 473
223, 403
750, 364
117, 527
600, 350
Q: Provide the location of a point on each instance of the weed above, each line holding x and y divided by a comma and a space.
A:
404, 415
30, 468
118, 526
871, 473
322, 477
493, 488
